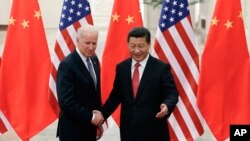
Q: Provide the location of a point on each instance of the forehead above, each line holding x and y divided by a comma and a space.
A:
137, 40
89, 34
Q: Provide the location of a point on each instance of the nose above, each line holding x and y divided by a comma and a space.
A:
92, 46
136, 50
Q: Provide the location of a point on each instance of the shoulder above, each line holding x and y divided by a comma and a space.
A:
126, 62
95, 58
69, 59
158, 62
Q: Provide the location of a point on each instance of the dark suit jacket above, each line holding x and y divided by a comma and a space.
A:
137, 119
77, 98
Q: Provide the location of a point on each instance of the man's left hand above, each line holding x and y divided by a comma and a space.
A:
163, 112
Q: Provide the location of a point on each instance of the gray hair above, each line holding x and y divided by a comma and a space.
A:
86, 28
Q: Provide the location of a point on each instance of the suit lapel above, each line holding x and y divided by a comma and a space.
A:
127, 77
82, 67
146, 75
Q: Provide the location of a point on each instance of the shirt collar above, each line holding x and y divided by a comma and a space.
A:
142, 63
81, 56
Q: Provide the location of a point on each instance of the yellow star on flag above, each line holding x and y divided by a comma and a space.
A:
37, 14
11, 21
25, 24
214, 21
130, 19
228, 24
240, 15
115, 17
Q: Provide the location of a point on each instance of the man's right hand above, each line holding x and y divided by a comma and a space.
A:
99, 132
98, 118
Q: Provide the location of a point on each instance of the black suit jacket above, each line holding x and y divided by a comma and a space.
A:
77, 98
137, 119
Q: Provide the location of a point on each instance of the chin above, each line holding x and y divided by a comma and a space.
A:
91, 54
138, 60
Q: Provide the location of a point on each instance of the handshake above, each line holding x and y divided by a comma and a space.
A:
97, 118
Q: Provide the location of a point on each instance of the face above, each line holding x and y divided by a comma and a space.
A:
87, 43
138, 48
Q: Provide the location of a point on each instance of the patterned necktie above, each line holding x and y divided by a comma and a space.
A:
91, 70
135, 79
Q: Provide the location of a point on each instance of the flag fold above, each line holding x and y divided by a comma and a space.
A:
125, 15
175, 45
224, 92
24, 73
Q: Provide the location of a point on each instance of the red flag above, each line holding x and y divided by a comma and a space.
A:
175, 44
3, 129
224, 92
24, 73
74, 14
125, 15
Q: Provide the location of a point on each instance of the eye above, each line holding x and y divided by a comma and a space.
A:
141, 46
132, 46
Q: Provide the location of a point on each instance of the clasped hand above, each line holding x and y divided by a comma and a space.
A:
98, 119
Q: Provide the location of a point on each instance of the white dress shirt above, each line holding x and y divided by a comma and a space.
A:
140, 68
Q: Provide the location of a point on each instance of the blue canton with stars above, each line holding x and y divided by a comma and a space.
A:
72, 11
172, 12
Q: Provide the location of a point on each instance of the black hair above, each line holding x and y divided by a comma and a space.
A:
139, 32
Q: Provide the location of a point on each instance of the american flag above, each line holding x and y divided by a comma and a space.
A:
75, 13
175, 44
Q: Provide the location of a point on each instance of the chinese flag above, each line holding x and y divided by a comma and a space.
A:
125, 15
224, 92
3, 129
25, 70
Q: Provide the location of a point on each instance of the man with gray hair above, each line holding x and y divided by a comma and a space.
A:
78, 90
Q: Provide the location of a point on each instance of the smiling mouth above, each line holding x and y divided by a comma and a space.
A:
138, 56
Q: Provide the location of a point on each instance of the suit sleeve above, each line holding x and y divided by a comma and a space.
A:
65, 93
170, 92
113, 100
